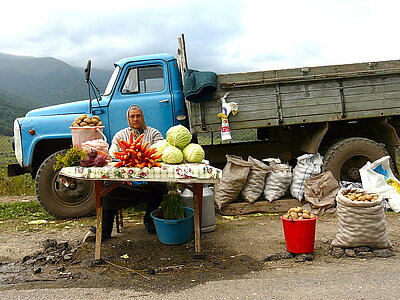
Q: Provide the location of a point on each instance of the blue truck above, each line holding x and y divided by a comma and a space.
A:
348, 113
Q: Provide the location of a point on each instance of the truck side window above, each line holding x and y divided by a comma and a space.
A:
144, 80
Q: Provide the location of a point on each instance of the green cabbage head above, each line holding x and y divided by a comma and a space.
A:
172, 155
160, 146
178, 136
193, 153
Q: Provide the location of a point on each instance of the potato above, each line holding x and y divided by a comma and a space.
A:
100, 123
96, 117
94, 121
305, 215
75, 124
87, 120
293, 215
83, 124
298, 209
285, 216
361, 198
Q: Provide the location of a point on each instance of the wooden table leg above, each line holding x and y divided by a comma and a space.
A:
99, 218
197, 204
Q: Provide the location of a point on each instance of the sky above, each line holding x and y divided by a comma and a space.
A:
221, 36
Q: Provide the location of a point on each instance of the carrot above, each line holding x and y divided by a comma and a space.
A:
118, 164
142, 165
126, 144
121, 145
140, 138
156, 156
157, 164
144, 147
131, 137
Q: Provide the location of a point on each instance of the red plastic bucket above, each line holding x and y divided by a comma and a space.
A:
299, 235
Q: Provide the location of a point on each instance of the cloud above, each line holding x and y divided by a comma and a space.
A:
223, 36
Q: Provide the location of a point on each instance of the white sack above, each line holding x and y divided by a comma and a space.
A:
277, 181
308, 165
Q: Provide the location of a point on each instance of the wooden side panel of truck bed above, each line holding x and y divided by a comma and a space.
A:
303, 95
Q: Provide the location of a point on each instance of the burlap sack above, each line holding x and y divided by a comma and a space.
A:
254, 185
360, 223
234, 176
277, 181
319, 193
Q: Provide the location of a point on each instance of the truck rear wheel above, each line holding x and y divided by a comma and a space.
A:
76, 200
345, 158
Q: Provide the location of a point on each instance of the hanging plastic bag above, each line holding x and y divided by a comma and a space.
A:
254, 186
308, 165
277, 181
234, 176
378, 177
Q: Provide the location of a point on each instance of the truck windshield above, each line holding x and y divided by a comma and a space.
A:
112, 81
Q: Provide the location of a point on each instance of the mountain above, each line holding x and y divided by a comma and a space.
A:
29, 82
11, 109
46, 80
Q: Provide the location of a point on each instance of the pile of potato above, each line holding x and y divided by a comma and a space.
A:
361, 196
85, 120
298, 213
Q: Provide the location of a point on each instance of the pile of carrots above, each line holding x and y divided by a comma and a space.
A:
135, 154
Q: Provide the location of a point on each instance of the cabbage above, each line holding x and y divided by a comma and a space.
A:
193, 153
160, 146
179, 136
172, 155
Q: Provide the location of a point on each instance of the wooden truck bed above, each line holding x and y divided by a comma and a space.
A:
303, 95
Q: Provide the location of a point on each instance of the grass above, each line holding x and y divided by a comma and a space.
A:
24, 210
22, 185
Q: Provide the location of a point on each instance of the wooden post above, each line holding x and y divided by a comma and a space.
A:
197, 204
99, 218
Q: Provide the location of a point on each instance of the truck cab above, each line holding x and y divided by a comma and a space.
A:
150, 81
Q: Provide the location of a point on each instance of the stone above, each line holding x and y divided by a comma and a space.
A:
67, 257
383, 253
49, 243
272, 257
285, 254
305, 257
37, 270
366, 254
337, 252
350, 252
362, 249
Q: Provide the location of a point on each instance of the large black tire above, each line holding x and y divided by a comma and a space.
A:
345, 158
76, 200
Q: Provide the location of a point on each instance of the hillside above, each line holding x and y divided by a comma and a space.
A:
28, 82
46, 80
11, 107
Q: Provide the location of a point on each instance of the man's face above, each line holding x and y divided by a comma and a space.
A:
135, 118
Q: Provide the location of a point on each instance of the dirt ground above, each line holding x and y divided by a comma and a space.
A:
134, 258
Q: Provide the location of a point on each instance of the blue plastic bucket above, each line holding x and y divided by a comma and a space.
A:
174, 232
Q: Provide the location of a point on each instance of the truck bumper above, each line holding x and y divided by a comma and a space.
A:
15, 170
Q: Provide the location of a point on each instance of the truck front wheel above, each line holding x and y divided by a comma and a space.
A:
345, 158
76, 200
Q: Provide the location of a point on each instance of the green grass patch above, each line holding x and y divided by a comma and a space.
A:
22, 185
23, 210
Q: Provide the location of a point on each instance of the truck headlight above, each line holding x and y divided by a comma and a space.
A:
18, 142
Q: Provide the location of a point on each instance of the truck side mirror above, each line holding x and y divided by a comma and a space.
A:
87, 70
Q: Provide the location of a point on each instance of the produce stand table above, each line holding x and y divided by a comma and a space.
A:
194, 184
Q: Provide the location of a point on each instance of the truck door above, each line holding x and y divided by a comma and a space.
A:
146, 86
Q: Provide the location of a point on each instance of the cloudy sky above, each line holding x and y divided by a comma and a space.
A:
222, 36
